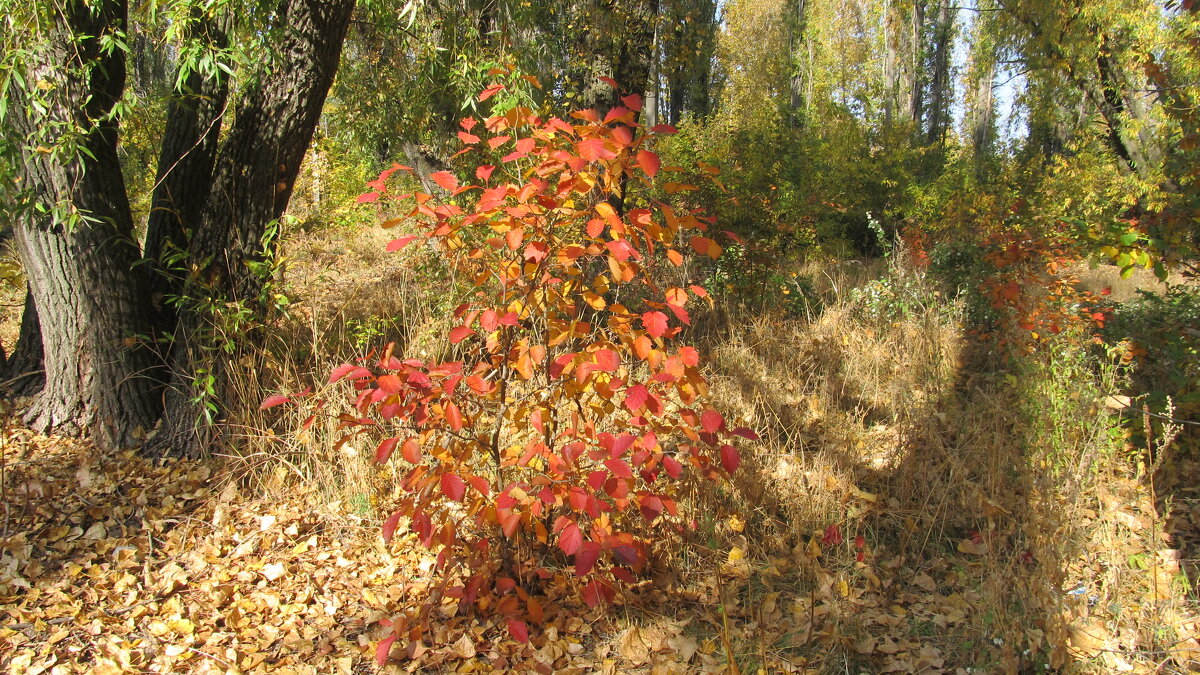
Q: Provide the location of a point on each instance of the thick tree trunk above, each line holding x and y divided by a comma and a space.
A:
24, 369
620, 44
185, 173
255, 173
80, 261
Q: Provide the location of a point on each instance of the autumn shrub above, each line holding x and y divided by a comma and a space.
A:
562, 414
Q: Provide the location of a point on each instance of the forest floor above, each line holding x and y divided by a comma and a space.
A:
909, 510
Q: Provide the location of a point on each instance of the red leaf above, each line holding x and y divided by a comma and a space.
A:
607, 360
674, 468
610, 82
635, 397
460, 333
389, 384
597, 592
454, 416
484, 172
453, 487
444, 179
469, 139
389, 526
525, 145
664, 129
619, 468
655, 323
383, 650
593, 149
649, 162
633, 102
397, 244
367, 198
730, 459
518, 630
490, 92
274, 400
586, 559
385, 449
833, 535
711, 421
411, 451
746, 432
570, 539
689, 356
340, 372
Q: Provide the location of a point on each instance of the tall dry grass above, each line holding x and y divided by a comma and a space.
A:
1004, 524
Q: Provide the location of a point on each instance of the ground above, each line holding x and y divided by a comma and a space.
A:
912, 507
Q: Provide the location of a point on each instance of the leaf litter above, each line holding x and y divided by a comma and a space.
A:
114, 563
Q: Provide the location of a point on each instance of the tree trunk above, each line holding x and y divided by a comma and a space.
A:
255, 174
185, 173
620, 43
796, 83
79, 262
650, 109
24, 369
939, 83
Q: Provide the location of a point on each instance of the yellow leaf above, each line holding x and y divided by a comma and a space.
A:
972, 548
594, 301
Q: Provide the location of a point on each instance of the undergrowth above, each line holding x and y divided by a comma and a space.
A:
921, 499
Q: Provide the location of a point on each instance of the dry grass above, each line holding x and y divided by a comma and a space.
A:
1005, 525
1002, 524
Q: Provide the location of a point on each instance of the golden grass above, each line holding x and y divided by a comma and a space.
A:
1005, 525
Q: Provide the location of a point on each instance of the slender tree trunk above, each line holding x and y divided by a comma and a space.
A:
79, 263
798, 38
650, 110
939, 83
255, 173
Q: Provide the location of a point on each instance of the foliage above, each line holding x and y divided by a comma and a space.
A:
1159, 333
567, 403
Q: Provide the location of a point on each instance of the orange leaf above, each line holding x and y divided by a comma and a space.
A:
454, 416
490, 92
655, 323
411, 451
384, 451
444, 179
649, 162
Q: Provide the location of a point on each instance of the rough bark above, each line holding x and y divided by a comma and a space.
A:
185, 171
797, 83
620, 43
255, 173
90, 302
939, 80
